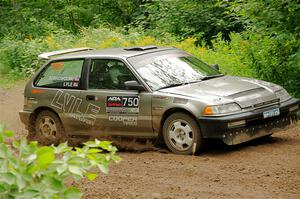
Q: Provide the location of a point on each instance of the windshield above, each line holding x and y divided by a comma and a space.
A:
167, 68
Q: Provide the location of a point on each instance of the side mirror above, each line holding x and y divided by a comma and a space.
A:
216, 66
134, 85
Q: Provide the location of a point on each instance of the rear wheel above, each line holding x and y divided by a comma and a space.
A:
48, 129
182, 134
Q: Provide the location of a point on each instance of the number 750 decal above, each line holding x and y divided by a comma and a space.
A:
123, 101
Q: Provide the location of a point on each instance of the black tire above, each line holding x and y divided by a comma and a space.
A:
186, 138
48, 129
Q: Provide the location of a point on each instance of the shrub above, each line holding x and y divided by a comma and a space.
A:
271, 58
247, 54
18, 56
21, 56
30, 171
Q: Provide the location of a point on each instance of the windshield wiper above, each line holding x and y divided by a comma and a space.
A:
171, 85
180, 84
191, 82
211, 77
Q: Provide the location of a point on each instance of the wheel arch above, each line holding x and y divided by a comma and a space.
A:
36, 112
169, 112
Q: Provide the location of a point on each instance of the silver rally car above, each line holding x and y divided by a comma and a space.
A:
149, 92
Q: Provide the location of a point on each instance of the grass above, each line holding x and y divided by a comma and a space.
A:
8, 81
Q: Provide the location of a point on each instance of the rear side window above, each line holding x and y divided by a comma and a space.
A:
61, 74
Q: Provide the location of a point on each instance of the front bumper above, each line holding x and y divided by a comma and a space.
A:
24, 117
255, 125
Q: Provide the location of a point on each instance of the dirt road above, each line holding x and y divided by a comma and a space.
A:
265, 168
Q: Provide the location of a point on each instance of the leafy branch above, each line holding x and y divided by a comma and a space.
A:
30, 171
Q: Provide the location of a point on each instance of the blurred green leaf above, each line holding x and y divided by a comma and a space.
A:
117, 159
45, 156
56, 183
61, 168
2, 128
91, 176
2, 188
103, 168
16, 144
63, 147
3, 150
28, 194
94, 151
7, 178
20, 182
75, 170
105, 145
72, 193
8, 133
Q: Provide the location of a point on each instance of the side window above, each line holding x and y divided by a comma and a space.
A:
109, 74
61, 74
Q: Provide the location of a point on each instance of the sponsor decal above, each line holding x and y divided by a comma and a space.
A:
123, 109
61, 78
123, 101
71, 84
67, 81
75, 84
37, 91
114, 101
125, 119
67, 84
71, 104
57, 65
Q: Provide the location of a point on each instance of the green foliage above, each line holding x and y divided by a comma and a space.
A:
184, 18
22, 56
273, 59
19, 56
274, 37
31, 19
254, 38
271, 16
30, 171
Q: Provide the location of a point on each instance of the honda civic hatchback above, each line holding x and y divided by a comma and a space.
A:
149, 92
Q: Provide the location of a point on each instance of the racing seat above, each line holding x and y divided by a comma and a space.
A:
99, 77
119, 74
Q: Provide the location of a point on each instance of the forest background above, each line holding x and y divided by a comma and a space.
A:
253, 38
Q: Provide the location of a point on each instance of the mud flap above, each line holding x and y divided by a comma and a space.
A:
250, 133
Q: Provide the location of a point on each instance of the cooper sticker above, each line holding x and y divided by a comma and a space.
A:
127, 120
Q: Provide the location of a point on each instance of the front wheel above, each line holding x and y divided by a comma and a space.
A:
182, 134
48, 129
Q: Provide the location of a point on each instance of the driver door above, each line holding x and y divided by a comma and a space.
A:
122, 111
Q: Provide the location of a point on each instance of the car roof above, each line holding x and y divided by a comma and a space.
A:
112, 52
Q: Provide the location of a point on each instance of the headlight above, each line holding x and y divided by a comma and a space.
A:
221, 109
283, 95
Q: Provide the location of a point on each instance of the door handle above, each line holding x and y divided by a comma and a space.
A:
90, 97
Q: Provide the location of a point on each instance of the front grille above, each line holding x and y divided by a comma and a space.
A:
279, 120
266, 104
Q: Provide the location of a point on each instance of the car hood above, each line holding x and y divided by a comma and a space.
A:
245, 91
